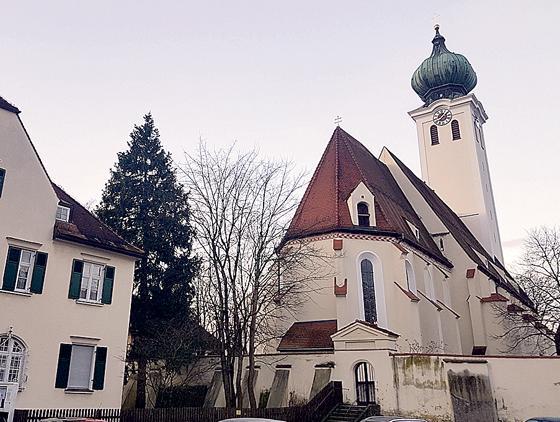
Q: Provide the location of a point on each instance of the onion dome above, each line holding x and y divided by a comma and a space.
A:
444, 74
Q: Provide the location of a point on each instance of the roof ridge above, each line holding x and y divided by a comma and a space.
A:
336, 174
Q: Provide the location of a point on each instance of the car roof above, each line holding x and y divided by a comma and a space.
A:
391, 418
544, 419
250, 420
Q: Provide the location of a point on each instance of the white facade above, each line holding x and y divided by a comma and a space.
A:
69, 351
456, 167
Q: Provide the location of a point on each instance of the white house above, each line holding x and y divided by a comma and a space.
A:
65, 288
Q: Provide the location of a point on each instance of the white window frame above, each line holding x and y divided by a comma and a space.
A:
91, 368
60, 209
30, 266
88, 281
9, 354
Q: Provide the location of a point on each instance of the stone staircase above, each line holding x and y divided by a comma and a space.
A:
346, 413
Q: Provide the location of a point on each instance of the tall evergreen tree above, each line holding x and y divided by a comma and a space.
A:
145, 204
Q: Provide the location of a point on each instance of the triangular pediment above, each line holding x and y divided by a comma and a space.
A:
362, 331
361, 335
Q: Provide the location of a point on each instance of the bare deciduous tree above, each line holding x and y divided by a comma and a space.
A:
539, 276
176, 349
241, 206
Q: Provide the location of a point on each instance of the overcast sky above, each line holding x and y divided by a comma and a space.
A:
274, 74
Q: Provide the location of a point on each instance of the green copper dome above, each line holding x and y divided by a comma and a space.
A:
444, 74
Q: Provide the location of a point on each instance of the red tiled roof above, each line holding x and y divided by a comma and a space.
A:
377, 327
462, 234
494, 297
85, 228
344, 164
309, 335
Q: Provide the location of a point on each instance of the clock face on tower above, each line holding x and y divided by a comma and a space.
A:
442, 116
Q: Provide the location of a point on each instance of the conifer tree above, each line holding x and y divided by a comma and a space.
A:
145, 204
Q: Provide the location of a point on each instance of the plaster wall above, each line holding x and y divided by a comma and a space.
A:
458, 169
421, 323
463, 293
44, 321
423, 389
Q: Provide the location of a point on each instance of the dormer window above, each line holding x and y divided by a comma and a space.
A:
363, 215
62, 213
361, 205
414, 229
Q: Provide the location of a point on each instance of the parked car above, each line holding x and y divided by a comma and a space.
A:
71, 419
250, 420
391, 419
543, 419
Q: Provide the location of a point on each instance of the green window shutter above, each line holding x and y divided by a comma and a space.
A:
63, 368
108, 281
76, 279
99, 368
10, 272
39, 269
2, 177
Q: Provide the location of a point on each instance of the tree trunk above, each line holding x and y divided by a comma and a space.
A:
238, 381
557, 340
251, 381
227, 379
251, 352
141, 384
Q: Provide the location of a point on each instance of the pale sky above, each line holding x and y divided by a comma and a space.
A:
274, 75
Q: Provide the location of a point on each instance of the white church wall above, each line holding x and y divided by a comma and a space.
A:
319, 299
460, 288
520, 387
380, 361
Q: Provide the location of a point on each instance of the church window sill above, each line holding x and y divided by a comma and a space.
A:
408, 293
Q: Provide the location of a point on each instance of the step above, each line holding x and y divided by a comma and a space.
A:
345, 413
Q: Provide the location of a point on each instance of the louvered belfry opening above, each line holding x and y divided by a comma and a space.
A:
455, 130
434, 135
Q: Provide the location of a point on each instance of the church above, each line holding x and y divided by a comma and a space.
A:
410, 314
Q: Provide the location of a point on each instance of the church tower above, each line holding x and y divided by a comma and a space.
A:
451, 141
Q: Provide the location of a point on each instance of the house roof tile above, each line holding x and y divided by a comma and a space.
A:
87, 229
8, 107
309, 335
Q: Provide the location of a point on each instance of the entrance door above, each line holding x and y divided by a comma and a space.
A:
7, 401
365, 386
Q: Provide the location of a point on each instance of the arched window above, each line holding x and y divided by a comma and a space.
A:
368, 289
12, 352
365, 385
410, 280
363, 214
455, 131
429, 284
434, 135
